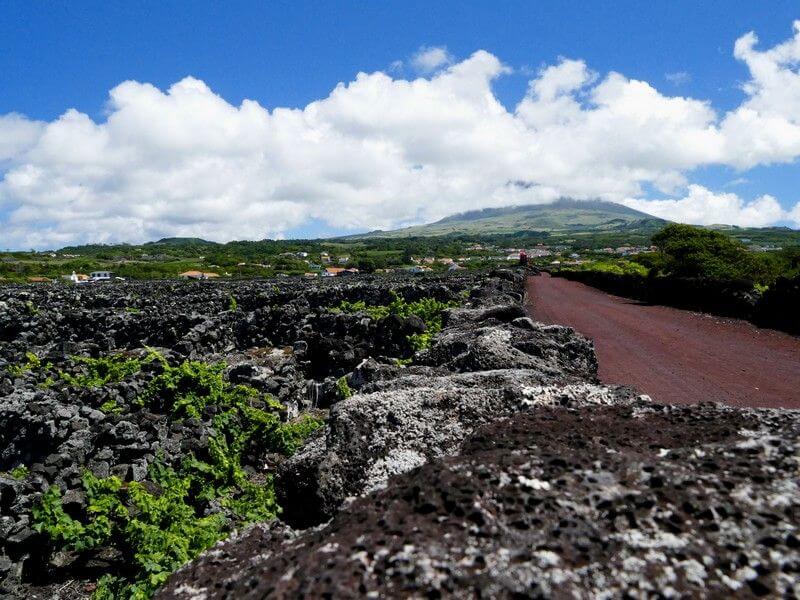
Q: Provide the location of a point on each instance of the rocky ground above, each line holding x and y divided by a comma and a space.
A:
492, 463
574, 498
279, 338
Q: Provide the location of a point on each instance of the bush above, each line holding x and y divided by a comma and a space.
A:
343, 389
32, 363
695, 252
617, 267
104, 370
778, 306
428, 309
178, 511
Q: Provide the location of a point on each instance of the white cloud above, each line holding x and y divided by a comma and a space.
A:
701, 206
766, 127
430, 58
17, 135
381, 151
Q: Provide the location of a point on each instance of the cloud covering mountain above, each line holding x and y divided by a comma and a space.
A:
382, 151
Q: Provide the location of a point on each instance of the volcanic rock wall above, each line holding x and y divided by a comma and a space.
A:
498, 467
280, 337
493, 465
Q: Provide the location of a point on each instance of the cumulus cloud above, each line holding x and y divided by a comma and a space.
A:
702, 206
429, 59
766, 127
17, 135
382, 151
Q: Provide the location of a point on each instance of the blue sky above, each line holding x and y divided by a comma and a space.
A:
57, 56
290, 53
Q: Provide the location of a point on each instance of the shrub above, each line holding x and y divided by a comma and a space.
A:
343, 388
428, 309
178, 511
614, 267
32, 363
20, 472
696, 252
104, 370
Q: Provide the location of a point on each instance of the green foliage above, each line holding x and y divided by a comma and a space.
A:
695, 252
343, 388
132, 310
163, 522
50, 517
32, 309
428, 309
186, 389
291, 436
32, 363
20, 472
420, 341
104, 370
110, 407
374, 312
686, 251
616, 267
232, 304
579, 227
157, 532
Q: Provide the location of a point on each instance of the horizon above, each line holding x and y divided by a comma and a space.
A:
132, 125
356, 235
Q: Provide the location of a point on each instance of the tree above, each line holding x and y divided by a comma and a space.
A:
695, 252
366, 265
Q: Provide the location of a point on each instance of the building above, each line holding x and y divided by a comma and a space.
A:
100, 275
539, 252
324, 258
338, 272
76, 277
197, 275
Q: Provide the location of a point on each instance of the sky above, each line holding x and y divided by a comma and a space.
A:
128, 122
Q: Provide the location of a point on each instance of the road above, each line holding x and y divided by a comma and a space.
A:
673, 355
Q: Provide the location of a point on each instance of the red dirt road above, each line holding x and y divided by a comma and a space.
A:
673, 355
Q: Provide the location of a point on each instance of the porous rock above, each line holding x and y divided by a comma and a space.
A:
567, 499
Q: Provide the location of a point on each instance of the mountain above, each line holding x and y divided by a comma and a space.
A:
181, 241
562, 217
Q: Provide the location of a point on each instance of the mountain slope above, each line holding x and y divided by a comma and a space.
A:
181, 241
565, 216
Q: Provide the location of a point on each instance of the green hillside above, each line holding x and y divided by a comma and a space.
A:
563, 216
181, 241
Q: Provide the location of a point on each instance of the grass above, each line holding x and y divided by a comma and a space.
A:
615, 267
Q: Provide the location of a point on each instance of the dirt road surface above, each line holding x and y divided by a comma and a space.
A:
673, 355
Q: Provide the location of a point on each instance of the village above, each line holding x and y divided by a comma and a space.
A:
323, 264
